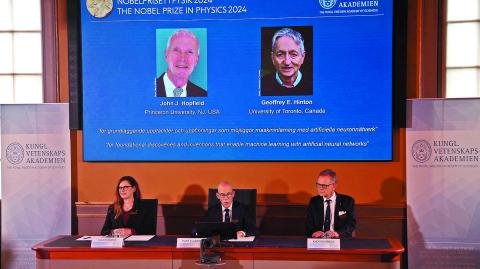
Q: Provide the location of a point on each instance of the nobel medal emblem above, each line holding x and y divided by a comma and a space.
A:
99, 8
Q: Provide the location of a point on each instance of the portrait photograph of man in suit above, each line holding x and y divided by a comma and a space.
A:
179, 63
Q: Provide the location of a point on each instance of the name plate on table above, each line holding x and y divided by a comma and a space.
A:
107, 242
322, 243
189, 242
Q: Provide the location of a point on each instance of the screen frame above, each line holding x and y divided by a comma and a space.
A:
399, 49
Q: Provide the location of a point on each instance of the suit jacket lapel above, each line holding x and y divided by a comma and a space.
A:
219, 212
132, 219
187, 89
235, 211
321, 210
338, 205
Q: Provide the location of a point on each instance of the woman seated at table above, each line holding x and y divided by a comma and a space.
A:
128, 214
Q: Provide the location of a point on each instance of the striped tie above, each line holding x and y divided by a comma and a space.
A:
326, 223
227, 215
177, 92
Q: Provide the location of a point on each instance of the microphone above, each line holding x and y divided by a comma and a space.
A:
213, 258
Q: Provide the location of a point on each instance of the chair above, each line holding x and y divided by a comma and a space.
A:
247, 197
151, 206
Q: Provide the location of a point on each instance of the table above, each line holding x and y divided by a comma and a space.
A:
263, 253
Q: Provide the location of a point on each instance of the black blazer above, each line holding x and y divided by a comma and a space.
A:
240, 214
140, 220
344, 225
192, 89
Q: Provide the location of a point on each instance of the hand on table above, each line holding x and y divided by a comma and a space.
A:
241, 234
123, 232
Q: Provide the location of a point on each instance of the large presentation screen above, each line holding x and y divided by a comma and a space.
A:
236, 80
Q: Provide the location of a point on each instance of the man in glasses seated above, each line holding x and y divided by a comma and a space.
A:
330, 214
229, 210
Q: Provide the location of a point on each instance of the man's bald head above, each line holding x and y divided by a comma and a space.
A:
225, 193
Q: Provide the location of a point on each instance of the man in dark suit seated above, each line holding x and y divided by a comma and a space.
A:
181, 56
228, 210
330, 214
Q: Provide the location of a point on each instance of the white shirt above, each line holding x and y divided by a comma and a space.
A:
332, 209
169, 87
229, 213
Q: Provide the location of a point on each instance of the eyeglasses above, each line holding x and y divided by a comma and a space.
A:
225, 195
124, 188
323, 186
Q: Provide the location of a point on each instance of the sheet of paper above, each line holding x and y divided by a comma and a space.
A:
89, 237
139, 237
243, 239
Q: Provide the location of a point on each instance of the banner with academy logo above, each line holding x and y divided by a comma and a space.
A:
36, 187
443, 183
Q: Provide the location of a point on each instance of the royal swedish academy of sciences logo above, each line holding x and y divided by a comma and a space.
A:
14, 153
421, 151
327, 4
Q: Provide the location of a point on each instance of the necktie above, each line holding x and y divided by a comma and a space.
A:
177, 92
227, 215
326, 223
